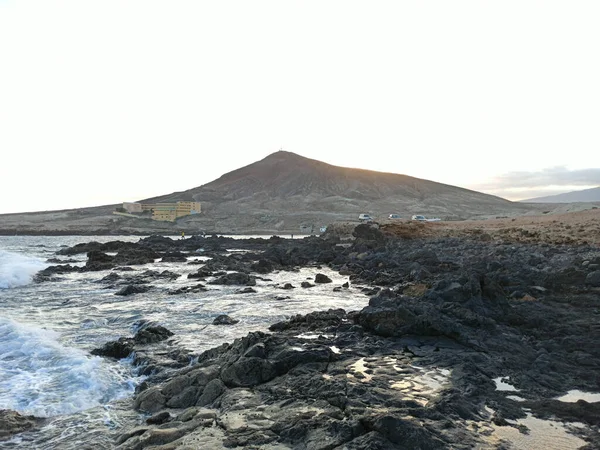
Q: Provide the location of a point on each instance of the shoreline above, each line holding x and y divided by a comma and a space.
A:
447, 316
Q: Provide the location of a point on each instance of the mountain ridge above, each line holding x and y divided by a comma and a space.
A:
584, 195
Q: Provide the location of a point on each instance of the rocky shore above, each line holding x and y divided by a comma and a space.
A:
451, 322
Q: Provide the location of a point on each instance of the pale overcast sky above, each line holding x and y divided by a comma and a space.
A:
116, 100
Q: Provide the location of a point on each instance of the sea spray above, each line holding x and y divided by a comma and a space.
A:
18, 270
40, 376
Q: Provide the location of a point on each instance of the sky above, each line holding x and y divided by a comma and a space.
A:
119, 100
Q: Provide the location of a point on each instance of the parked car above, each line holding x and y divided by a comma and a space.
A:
394, 216
365, 218
425, 219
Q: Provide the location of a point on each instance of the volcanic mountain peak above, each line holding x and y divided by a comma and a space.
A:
285, 183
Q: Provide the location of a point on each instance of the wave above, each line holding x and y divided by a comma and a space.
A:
40, 376
18, 270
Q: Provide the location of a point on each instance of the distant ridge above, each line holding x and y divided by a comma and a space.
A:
585, 195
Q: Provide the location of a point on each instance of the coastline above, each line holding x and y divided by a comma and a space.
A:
416, 368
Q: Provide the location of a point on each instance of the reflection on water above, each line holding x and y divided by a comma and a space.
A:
420, 384
540, 434
574, 396
502, 385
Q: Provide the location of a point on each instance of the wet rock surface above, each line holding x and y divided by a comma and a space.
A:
413, 369
11, 423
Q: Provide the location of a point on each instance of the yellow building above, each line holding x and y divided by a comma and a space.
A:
171, 211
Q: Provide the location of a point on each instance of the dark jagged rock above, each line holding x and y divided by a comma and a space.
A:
320, 278
132, 289
93, 246
368, 232
247, 290
224, 319
151, 334
11, 423
262, 266
236, 278
111, 278
48, 273
98, 260
131, 256
579, 411
189, 289
119, 349
60, 261
123, 347
200, 274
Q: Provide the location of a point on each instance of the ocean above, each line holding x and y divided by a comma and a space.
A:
48, 329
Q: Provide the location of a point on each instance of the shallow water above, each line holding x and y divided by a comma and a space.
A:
540, 434
575, 395
503, 385
47, 331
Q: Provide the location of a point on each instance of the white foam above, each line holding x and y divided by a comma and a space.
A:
40, 376
18, 270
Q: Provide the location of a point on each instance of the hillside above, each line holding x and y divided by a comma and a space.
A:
585, 195
285, 190
280, 194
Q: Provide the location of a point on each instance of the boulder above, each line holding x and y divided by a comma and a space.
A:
11, 422
321, 278
119, 349
151, 334
593, 279
224, 319
150, 400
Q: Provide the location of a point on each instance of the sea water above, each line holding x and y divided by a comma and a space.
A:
48, 329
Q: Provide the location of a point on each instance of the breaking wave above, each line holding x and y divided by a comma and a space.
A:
18, 270
40, 376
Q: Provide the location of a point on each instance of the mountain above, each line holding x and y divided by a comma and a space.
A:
585, 195
285, 190
282, 193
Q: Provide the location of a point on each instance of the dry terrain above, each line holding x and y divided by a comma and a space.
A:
578, 228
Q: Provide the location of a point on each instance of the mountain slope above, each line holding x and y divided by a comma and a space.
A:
585, 195
288, 187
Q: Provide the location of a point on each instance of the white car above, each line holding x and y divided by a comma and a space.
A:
394, 216
419, 218
365, 218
